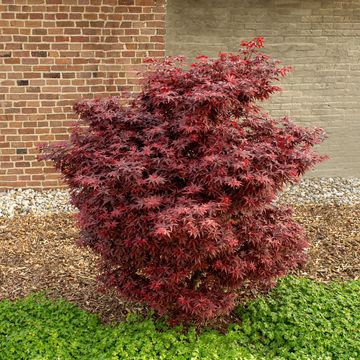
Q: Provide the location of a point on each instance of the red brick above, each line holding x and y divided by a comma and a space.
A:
53, 54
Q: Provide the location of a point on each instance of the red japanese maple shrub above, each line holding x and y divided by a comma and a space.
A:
175, 192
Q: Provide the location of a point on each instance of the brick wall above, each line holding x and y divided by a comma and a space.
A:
321, 39
53, 52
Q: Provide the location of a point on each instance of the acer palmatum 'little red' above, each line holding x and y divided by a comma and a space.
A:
175, 191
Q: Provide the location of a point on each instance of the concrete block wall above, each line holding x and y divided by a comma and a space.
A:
320, 38
54, 52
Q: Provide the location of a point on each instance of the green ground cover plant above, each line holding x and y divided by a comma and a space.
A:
299, 319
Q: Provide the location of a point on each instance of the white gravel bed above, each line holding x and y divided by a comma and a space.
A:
309, 191
25, 201
342, 191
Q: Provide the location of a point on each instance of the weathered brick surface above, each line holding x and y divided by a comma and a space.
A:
53, 52
321, 39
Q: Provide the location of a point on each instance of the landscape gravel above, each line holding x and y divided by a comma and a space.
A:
340, 191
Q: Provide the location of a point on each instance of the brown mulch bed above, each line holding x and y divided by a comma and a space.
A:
39, 254
334, 235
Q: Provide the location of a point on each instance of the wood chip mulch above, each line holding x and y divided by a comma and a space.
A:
334, 235
39, 254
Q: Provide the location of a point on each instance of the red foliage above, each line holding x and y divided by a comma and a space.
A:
175, 191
